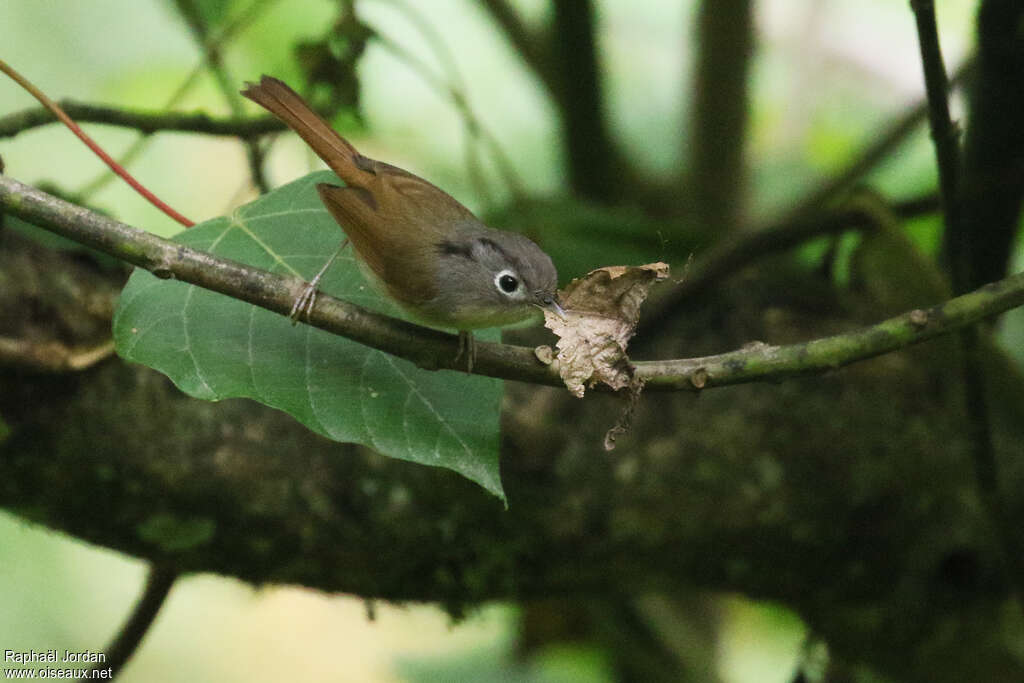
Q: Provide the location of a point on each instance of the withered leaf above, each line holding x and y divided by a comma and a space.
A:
601, 313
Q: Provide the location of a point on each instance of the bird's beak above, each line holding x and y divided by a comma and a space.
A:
551, 303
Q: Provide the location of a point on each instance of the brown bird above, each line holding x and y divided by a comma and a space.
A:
420, 246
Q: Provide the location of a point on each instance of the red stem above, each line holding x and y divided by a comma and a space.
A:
91, 144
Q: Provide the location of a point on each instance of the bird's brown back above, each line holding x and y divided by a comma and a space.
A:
395, 220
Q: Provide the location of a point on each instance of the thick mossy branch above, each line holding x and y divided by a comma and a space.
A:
437, 350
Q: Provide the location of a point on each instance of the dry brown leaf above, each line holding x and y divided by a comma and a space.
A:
601, 313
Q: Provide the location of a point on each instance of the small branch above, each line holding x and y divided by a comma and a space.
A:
158, 585
897, 131
992, 187
142, 121
432, 349
944, 133
716, 168
593, 162
761, 362
477, 136
92, 145
527, 43
735, 252
225, 82
959, 244
51, 356
474, 126
241, 21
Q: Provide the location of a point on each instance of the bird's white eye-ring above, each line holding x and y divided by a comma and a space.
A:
507, 282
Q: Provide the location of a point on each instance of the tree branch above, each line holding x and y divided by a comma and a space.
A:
594, 166
432, 349
159, 582
869, 157
716, 145
227, 84
565, 60
456, 93
142, 121
760, 362
526, 43
736, 251
944, 135
959, 247
51, 356
993, 160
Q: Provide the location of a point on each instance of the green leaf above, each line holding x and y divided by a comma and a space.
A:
215, 347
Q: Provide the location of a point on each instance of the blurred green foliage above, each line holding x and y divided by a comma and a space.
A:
581, 237
171, 534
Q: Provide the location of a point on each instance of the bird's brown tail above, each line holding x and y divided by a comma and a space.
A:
286, 104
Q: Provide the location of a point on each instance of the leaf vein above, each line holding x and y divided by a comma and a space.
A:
363, 407
308, 372
188, 339
237, 222
139, 333
430, 406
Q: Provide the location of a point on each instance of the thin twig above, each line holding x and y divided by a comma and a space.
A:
456, 83
459, 101
716, 167
51, 356
437, 350
742, 249
143, 121
595, 167
947, 153
249, 14
869, 157
944, 134
225, 82
90, 143
529, 44
158, 585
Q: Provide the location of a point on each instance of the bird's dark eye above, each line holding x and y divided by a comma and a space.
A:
508, 283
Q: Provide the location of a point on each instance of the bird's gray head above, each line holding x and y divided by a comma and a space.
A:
490, 278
